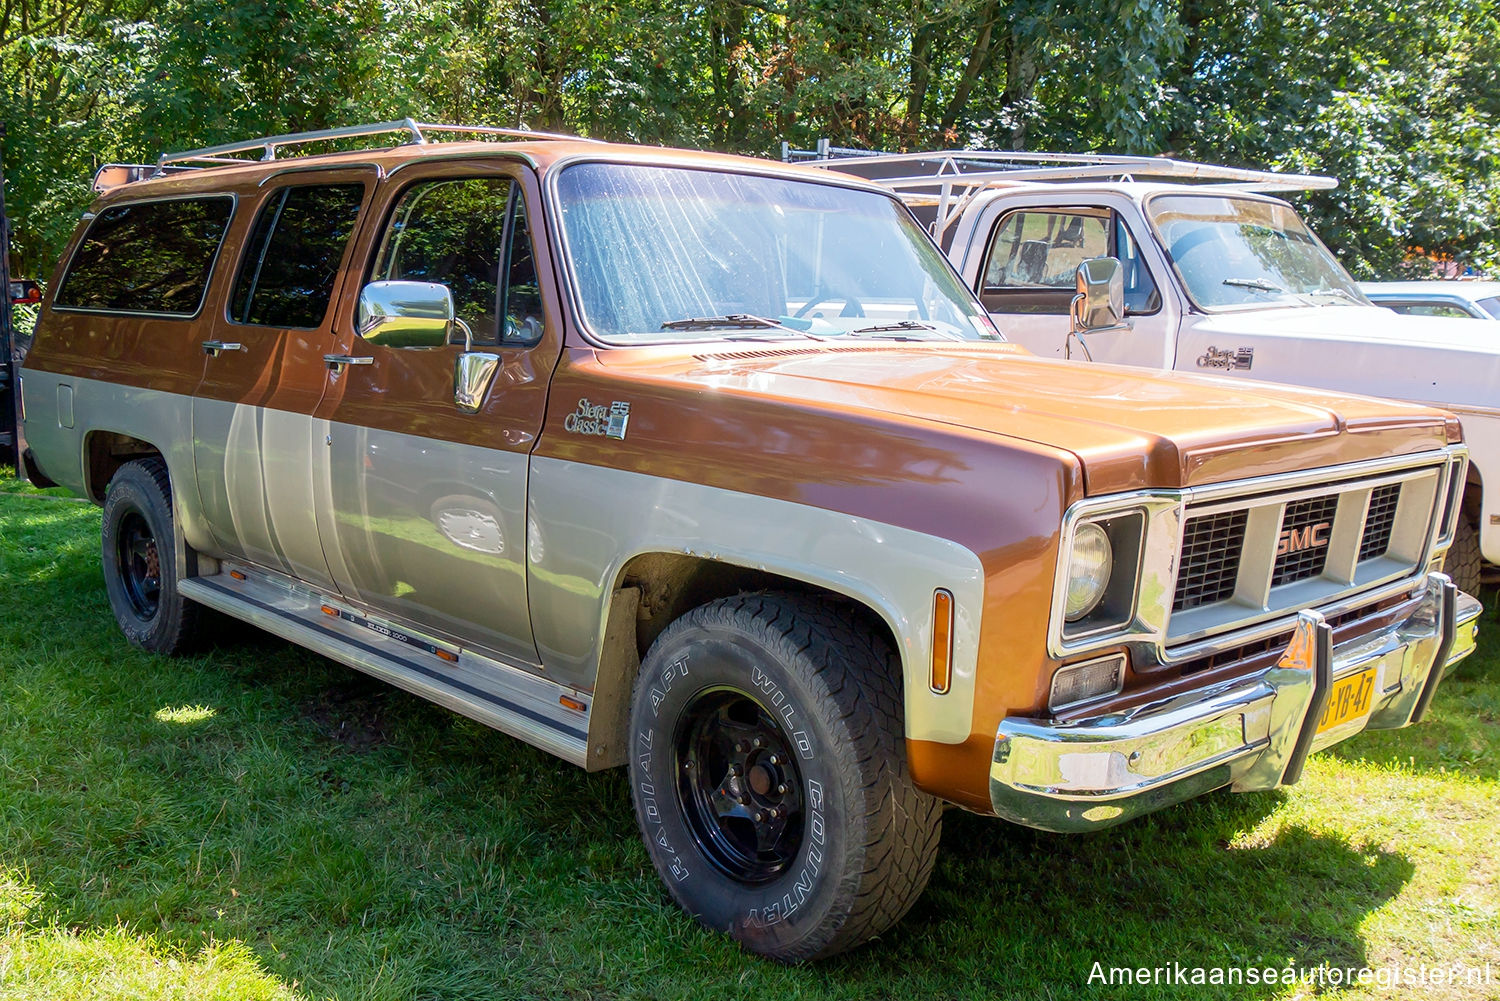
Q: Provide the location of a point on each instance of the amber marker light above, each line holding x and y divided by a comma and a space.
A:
330, 610
942, 640
568, 702
236, 575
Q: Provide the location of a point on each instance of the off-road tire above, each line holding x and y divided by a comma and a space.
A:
830, 689
1464, 561
138, 530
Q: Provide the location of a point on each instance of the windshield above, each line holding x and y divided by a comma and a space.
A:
1491, 306
1244, 252
665, 254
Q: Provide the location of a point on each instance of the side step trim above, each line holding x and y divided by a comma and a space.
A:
545, 724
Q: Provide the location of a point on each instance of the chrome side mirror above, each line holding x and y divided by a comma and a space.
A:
1100, 301
405, 314
1099, 304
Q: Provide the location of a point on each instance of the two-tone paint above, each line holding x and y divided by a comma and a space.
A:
524, 547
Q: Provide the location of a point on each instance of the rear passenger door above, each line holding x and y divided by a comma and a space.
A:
426, 519
255, 451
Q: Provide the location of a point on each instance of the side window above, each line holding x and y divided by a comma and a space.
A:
1430, 309
1141, 295
287, 275
1034, 255
471, 235
150, 257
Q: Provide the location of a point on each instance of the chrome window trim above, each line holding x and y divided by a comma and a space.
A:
213, 264
1166, 511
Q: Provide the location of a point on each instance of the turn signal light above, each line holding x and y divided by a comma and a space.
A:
942, 641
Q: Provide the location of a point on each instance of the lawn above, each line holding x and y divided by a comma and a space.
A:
259, 823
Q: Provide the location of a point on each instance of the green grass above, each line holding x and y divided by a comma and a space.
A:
258, 822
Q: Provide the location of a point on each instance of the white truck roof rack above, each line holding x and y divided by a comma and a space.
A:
949, 179
115, 174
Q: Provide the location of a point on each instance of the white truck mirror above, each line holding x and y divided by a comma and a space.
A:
1100, 302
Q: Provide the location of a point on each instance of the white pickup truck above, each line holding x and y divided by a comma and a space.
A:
1218, 276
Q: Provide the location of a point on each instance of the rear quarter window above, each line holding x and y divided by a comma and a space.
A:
147, 257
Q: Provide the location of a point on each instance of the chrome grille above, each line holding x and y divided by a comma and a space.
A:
1210, 559
1266, 553
1300, 524
1380, 521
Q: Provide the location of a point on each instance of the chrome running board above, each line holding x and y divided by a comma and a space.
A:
550, 716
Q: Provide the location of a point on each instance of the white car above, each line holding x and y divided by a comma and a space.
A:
1219, 277
1454, 299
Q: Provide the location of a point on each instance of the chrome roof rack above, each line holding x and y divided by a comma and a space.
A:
267, 146
950, 179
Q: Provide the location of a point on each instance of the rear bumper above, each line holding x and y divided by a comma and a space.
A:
1251, 733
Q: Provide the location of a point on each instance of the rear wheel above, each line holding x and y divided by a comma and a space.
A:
140, 560
768, 770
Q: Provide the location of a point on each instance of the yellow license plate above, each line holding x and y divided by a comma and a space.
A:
1351, 698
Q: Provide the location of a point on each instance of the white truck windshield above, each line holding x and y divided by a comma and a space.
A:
1234, 252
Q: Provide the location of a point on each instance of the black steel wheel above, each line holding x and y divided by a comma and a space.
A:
739, 785
768, 771
140, 565
140, 560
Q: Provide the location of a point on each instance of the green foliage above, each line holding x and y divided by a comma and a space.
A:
1399, 98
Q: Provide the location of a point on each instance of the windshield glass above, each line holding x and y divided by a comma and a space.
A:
1244, 252
1491, 306
667, 254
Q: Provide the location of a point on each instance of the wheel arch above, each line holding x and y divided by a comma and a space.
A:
653, 589
104, 452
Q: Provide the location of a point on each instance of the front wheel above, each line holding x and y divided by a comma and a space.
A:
768, 771
1464, 563
140, 560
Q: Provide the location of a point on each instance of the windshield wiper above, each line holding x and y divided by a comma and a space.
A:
732, 321
898, 325
1259, 284
1339, 294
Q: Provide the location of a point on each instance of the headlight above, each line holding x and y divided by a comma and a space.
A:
1088, 572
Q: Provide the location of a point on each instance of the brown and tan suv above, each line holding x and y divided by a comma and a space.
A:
711, 467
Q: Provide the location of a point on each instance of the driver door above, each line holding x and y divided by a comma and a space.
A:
425, 514
1027, 282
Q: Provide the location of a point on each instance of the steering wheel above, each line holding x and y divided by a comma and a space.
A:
852, 306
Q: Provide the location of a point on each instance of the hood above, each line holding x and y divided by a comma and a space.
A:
1130, 428
1366, 349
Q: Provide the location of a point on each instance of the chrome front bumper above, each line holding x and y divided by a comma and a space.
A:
1251, 733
